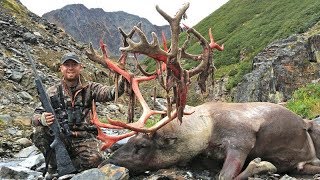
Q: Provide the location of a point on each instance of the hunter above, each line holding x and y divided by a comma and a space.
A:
72, 99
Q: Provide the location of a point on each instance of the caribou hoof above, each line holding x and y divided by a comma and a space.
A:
257, 166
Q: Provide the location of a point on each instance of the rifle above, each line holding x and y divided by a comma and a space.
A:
64, 163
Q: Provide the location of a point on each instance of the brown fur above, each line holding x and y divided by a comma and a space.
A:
233, 132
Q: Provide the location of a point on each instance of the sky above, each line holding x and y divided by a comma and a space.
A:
197, 10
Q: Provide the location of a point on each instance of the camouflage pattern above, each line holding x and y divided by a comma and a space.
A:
84, 148
84, 152
82, 95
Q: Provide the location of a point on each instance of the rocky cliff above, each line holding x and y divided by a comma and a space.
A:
277, 71
281, 68
90, 25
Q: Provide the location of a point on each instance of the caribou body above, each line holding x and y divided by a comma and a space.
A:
232, 132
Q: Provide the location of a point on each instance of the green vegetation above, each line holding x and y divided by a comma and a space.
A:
2, 124
306, 101
13, 6
153, 120
237, 72
246, 27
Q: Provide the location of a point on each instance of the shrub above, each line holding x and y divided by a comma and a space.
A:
306, 101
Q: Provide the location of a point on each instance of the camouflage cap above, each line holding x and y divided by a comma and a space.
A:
70, 56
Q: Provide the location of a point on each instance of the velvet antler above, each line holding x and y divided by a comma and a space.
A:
176, 78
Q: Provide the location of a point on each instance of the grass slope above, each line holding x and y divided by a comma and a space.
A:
246, 27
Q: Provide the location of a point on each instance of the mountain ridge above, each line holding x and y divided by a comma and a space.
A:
91, 25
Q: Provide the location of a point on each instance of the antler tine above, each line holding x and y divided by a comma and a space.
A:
94, 56
178, 16
213, 44
164, 14
185, 54
155, 127
129, 35
106, 62
109, 140
155, 41
174, 25
164, 41
145, 72
206, 52
95, 120
143, 47
205, 68
124, 36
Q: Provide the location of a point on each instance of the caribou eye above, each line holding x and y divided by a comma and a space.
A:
170, 141
139, 147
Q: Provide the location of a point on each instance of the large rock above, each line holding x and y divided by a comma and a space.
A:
27, 152
281, 68
108, 171
18, 172
314, 43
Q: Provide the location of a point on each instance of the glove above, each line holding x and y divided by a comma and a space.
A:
43, 120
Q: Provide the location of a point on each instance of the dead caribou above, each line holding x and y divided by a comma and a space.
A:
231, 132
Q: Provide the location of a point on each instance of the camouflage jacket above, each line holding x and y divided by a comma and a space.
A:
78, 100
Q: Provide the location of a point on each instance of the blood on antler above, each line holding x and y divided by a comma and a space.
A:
176, 78
134, 86
107, 139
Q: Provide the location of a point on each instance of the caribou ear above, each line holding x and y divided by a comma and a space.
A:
310, 125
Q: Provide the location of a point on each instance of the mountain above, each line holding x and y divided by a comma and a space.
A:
90, 25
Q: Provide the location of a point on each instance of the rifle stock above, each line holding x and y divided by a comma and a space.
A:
64, 163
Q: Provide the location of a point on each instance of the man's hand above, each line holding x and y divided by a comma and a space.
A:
47, 119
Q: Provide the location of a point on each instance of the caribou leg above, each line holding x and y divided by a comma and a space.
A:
308, 169
233, 164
